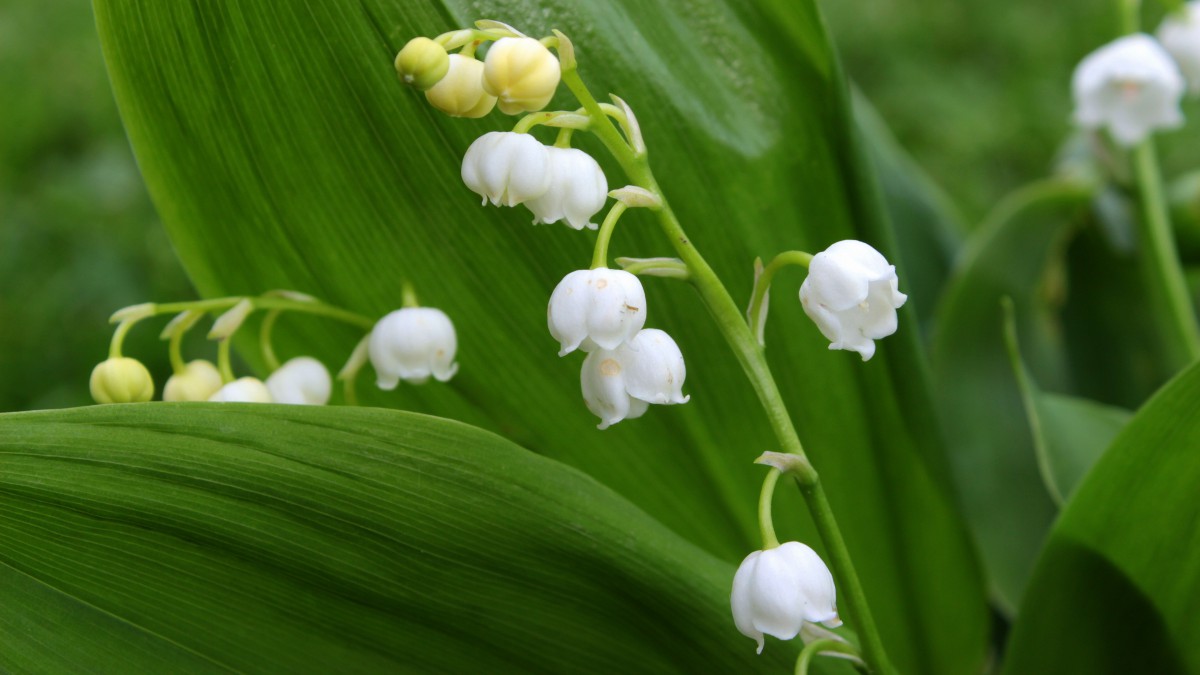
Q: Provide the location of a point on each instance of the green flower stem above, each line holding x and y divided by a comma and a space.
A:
268, 302
175, 350
763, 283
408, 298
600, 255
1160, 264
765, 522
749, 354
812, 649
264, 339
223, 365
118, 338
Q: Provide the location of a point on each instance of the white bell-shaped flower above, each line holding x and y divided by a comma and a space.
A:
1131, 86
198, 381
577, 190
521, 73
851, 293
507, 168
777, 590
411, 344
243, 390
596, 309
1179, 34
459, 93
121, 380
301, 381
621, 383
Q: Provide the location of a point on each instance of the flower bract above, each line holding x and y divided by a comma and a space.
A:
596, 309
411, 344
1131, 86
302, 381
852, 294
777, 590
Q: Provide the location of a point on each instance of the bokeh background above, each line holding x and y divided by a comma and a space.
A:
976, 92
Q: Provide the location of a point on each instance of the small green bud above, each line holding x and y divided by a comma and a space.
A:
422, 63
121, 380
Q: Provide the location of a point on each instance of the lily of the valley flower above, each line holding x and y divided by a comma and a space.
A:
1131, 86
243, 390
777, 590
1180, 36
459, 93
507, 168
621, 383
596, 309
301, 381
577, 190
199, 380
411, 344
851, 293
521, 73
121, 380
422, 63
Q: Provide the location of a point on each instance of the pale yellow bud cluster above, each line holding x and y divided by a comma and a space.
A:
121, 380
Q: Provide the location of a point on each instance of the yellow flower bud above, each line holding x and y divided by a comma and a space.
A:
199, 380
121, 380
422, 63
521, 73
460, 93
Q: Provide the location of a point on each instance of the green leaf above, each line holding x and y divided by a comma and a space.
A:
1115, 590
1069, 433
281, 152
1016, 254
197, 538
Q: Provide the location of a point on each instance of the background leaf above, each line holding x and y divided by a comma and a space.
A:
201, 538
281, 152
1117, 587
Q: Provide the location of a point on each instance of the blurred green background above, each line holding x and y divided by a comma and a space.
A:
977, 92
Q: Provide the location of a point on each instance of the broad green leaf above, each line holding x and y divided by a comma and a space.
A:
1016, 254
1116, 589
282, 152
201, 538
1069, 433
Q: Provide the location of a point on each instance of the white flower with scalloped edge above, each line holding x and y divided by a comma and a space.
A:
411, 344
777, 590
596, 309
242, 390
301, 381
507, 168
1129, 85
621, 383
1179, 34
577, 190
852, 294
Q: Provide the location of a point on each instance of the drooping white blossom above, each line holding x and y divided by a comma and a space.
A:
576, 192
521, 73
1179, 34
243, 390
121, 380
1131, 85
621, 383
507, 168
411, 344
301, 381
596, 309
198, 381
777, 590
852, 294
459, 93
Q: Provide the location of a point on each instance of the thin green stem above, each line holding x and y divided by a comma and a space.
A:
814, 648
1160, 264
175, 350
408, 297
738, 335
765, 522
600, 254
118, 338
223, 363
349, 393
269, 302
264, 339
762, 284
1130, 16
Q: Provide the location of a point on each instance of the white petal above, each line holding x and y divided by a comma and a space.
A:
655, 370
817, 594
1131, 85
301, 381
775, 596
242, 390
577, 190
567, 313
412, 344
618, 307
603, 382
740, 600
